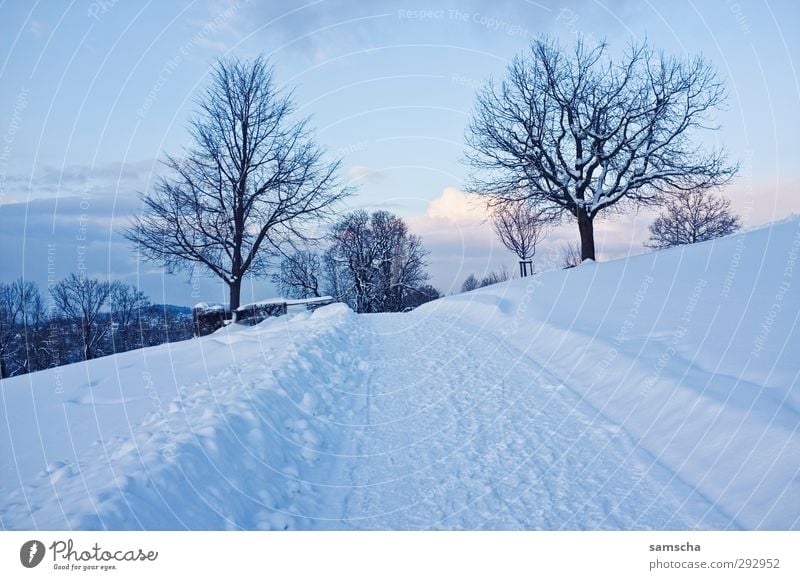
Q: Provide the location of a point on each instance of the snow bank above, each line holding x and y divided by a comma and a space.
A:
693, 351
225, 431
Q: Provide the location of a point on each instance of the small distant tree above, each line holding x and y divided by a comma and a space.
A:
32, 318
695, 217
373, 262
160, 323
350, 262
127, 304
22, 320
570, 255
501, 275
80, 300
299, 275
420, 296
495, 277
401, 267
337, 279
471, 283
8, 328
520, 228
253, 179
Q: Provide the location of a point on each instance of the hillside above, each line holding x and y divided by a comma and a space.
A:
658, 392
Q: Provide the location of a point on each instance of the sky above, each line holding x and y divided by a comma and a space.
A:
94, 94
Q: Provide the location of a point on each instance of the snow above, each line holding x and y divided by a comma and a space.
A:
288, 301
265, 302
657, 392
315, 300
207, 306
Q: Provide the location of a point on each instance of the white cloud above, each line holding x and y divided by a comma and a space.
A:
364, 173
455, 230
40, 28
458, 207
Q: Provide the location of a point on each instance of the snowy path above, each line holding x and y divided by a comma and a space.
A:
461, 440
337, 421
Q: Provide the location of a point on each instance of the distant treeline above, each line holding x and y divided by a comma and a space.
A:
79, 319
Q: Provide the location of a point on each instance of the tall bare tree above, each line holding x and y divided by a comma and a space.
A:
695, 217
577, 132
253, 178
520, 227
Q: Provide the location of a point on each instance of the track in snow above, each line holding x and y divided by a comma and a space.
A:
456, 439
333, 421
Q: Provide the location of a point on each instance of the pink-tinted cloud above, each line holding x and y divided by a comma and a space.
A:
456, 231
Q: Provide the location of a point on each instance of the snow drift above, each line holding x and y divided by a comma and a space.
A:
692, 351
659, 392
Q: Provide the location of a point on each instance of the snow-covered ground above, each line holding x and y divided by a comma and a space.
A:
655, 392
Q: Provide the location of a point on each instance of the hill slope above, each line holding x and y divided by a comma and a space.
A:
655, 392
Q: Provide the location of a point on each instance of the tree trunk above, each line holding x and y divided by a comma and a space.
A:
235, 293
586, 229
87, 341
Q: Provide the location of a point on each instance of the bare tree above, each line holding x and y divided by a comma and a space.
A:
577, 133
420, 296
471, 283
80, 300
8, 328
32, 316
374, 263
299, 275
254, 178
501, 275
570, 255
127, 305
90, 318
695, 217
350, 261
520, 227
495, 277
400, 270
337, 278
22, 319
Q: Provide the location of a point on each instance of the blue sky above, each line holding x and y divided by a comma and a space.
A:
95, 93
